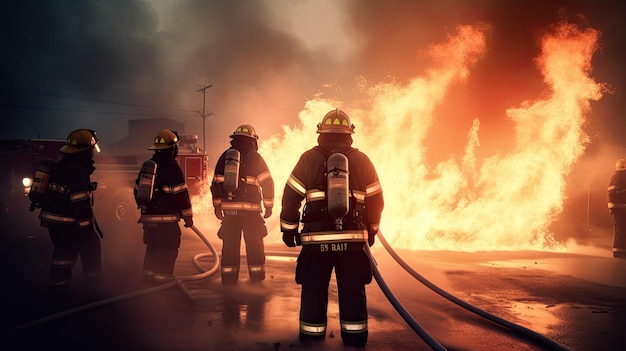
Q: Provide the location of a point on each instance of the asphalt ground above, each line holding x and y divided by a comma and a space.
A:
576, 300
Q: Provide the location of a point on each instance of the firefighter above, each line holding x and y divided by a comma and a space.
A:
617, 208
67, 213
168, 204
242, 187
327, 241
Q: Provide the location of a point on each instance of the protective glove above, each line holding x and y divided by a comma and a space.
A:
291, 238
188, 221
268, 212
218, 213
371, 236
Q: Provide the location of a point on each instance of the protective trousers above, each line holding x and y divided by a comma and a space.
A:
253, 227
352, 271
162, 242
70, 243
619, 238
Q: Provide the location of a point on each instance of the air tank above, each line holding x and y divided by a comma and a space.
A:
145, 185
338, 185
231, 170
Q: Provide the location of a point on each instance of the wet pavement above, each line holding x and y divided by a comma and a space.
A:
578, 301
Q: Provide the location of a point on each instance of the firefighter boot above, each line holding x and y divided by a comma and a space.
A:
230, 275
311, 340
257, 273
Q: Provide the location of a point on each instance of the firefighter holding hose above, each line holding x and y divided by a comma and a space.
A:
242, 187
617, 208
342, 211
161, 193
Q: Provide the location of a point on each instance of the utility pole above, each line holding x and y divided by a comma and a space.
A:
203, 89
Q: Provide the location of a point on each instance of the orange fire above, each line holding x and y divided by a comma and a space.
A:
502, 202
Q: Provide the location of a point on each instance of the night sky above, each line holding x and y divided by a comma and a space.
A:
96, 64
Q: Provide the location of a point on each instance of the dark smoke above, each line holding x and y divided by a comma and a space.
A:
121, 51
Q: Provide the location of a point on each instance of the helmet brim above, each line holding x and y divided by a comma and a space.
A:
244, 136
164, 147
71, 149
335, 131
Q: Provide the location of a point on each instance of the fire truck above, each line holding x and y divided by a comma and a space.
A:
115, 174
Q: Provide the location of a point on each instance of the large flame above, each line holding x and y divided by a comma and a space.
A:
503, 202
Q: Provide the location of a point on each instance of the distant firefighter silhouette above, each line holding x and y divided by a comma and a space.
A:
617, 207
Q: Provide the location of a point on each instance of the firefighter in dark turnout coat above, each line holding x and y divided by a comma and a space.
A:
169, 203
617, 207
324, 244
67, 213
238, 196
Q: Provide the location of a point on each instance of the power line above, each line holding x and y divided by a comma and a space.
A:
88, 99
91, 112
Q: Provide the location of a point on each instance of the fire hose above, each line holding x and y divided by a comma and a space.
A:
432, 342
550, 344
177, 281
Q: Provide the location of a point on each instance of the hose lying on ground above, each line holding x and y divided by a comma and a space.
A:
551, 344
178, 280
434, 344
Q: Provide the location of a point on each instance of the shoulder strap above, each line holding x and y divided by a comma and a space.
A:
327, 153
321, 150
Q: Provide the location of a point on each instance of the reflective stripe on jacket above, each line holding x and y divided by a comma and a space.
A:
329, 237
63, 219
164, 218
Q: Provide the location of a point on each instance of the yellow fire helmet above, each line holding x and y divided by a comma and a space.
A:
165, 140
620, 164
245, 130
80, 140
336, 121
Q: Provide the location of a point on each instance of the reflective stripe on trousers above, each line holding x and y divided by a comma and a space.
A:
229, 269
162, 278
62, 263
256, 268
312, 329
353, 327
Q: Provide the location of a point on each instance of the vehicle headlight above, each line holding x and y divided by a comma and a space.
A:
27, 182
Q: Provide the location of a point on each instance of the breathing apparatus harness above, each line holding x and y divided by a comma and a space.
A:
42, 184
340, 203
146, 182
